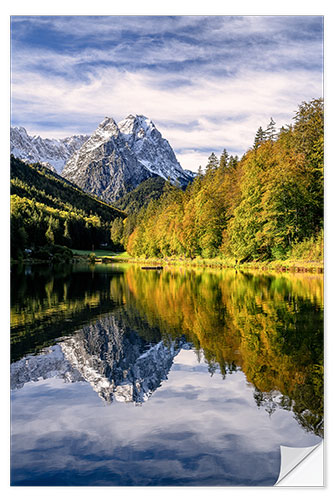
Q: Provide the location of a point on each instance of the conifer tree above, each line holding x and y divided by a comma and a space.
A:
212, 164
260, 137
270, 132
233, 160
224, 160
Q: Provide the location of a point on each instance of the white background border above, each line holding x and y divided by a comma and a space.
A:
141, 7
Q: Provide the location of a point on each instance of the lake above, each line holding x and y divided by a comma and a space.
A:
173, 377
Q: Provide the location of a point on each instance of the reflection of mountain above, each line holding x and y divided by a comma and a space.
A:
49, 363
114, 359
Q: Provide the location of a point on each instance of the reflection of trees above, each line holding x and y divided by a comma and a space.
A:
48, 302
267, 324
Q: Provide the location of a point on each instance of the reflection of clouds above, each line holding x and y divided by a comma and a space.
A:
218, 437
186, 357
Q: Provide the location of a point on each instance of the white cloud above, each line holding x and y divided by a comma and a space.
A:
228, 74
244, 102
191, 159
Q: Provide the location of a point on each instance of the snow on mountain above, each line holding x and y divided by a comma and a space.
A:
49, 152
111, 162
105, 165
151, 149
117, 158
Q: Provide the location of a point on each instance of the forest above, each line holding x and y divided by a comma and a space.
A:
49, 213
268, 205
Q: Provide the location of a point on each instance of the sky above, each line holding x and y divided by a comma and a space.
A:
207, 82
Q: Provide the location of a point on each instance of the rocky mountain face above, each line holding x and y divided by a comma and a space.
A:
117, 363
118, 157
52, 153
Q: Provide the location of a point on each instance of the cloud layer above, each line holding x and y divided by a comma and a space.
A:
207, 82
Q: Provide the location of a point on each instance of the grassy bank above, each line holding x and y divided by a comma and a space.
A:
100, 255
292, 264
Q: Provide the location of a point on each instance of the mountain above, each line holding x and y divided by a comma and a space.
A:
117, 158
53, 153
152, 150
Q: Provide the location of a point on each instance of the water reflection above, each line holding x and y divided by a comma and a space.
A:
269, 325
111, 357
48, 302
231, 363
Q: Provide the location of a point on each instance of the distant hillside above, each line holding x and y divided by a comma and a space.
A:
148, 190
47, 187
47, 209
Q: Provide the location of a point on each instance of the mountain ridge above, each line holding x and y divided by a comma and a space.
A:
52, 153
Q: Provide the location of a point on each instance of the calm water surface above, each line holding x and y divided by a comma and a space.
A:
123, 376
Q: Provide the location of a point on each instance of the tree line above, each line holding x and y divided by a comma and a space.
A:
264, 206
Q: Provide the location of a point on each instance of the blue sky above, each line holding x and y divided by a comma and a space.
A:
207, 82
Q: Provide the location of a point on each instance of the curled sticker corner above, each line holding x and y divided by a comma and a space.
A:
293, 459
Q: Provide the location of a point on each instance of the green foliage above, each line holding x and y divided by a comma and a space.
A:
257, 208
47, 210
117, 228
310, 249
187, 223
41, 184
132, 203
150, 189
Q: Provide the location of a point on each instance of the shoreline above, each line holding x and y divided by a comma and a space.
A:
277, 266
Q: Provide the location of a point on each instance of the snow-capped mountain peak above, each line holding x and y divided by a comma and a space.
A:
111, 162
108, 125
117, 158
138, 124
106, 129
